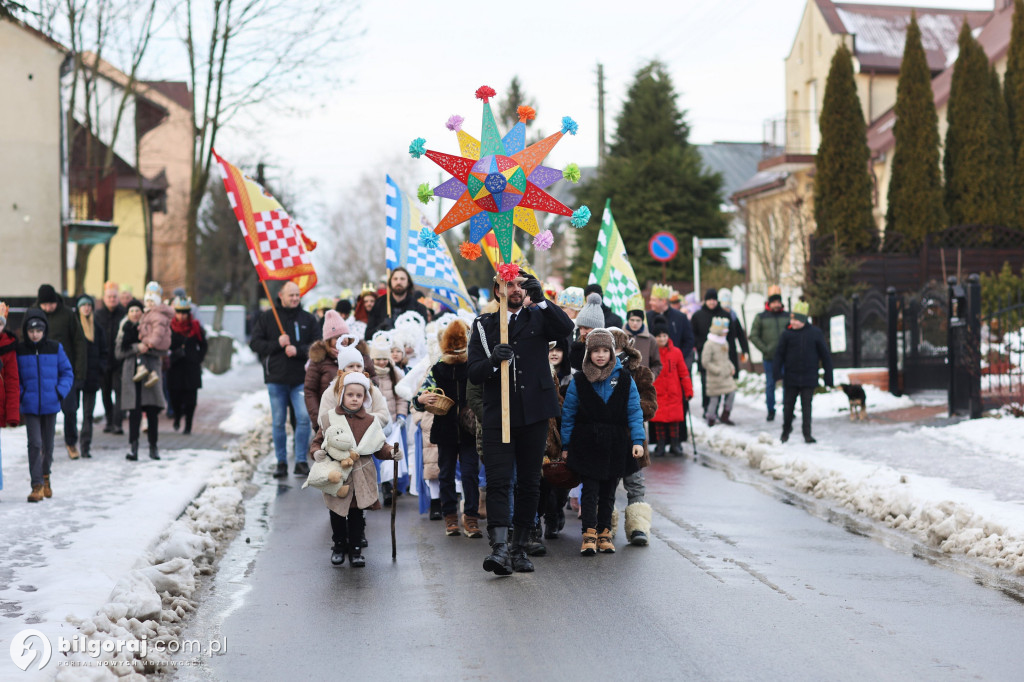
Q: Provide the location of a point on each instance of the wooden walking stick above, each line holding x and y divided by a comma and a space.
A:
506, 429
394, 509
273, 307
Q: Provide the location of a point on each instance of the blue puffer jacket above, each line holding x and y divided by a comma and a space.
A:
44, 371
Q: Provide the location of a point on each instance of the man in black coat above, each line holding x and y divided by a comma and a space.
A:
533, 399
284, 372
108, 318
611, 320
801, 348
402, 300
64, 328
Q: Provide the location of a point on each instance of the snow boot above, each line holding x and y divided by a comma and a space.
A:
154, 453
638, 523
589, 547
725, 418
37, 494
471, 526
498, 561
47, 491
338, 554
435, 510
520, 542
134, 454
451, 524
604, 542
355, 556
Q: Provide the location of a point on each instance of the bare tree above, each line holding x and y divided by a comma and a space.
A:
778, 229
244, 53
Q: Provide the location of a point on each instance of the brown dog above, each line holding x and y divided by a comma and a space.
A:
858, 401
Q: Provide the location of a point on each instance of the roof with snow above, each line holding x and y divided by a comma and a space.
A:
879, 31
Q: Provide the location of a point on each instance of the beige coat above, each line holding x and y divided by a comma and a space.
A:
718, 368
362, 481
431, 469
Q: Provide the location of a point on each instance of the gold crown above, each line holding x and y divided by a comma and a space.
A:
367, 288
661, 291
635, 302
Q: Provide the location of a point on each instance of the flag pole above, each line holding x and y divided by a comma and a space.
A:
273, 307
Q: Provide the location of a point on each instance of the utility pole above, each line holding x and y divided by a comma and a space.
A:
600, 115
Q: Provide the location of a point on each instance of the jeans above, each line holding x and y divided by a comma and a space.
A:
40, 429
770, 381
789, 396
465, 455
281, 395
521, 458
596, 503
70, 409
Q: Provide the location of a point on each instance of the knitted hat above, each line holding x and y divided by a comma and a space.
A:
47, 294
153, 292
719, 327
570, 297
334, 325
775, 297
593, 289
135, 303
725, 298
360, 379
85, 299
380, 349
592, 315
348, 355
801, 309
711, 295
659, 326
635, 306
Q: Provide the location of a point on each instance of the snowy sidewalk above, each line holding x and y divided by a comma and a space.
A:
62, 557
956, 484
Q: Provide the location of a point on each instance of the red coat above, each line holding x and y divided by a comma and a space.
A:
10, 389
672, 384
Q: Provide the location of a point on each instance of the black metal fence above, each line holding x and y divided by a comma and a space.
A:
1001, 351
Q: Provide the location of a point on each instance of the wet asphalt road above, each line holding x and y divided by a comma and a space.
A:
736, 585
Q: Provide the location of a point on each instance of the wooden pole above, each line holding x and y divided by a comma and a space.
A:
394, 509
387, 292
273, 307
506, 429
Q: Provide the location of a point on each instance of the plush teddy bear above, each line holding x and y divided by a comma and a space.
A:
330, 475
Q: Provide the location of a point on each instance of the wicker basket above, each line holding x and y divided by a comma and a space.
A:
441, 405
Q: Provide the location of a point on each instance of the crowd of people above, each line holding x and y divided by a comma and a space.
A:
135, 354
383, 377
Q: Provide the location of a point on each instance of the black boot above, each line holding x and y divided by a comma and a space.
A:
659, 449
153, 452
134, 454
435, 510
338, 554
725, 418
177, 421
520, 542
677, 449
188, 422
535, 545
355, 556
498, 562
551, 527
389, 493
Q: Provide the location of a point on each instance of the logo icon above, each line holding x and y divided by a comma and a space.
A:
24, 654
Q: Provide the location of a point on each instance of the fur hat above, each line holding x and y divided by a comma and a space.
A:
599, 338
621, 338
334, 325
801, 310
348, 355
725, 298
719, 327
455, 342
592, 315
659, 326
570, 297
47, 294
358, 378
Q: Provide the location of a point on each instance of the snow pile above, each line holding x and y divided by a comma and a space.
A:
750, 392
150, 602
973, 525
249, 412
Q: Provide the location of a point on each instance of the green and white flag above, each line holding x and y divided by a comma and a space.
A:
611, 266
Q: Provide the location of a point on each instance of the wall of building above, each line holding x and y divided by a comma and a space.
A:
30, 161
127, 248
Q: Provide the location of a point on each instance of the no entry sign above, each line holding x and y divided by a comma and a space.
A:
663, 247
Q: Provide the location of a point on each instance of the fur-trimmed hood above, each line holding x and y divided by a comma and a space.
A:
319, 351
454, 343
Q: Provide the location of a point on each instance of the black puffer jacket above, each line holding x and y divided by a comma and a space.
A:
798, 355
96, 358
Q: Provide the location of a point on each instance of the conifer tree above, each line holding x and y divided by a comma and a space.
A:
915, 186
1013, 90
656, 181
1002, 163
843, 186
970, 194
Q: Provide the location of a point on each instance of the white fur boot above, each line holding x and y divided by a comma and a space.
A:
638, 523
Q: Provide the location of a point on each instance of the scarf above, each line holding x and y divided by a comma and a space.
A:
381, 371
188, 327
88, 327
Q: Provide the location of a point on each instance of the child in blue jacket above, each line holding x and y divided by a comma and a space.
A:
46, 377
602, 435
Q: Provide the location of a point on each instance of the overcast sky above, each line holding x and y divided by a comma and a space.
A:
418, 63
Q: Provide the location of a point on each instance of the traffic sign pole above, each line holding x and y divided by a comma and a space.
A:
696, 266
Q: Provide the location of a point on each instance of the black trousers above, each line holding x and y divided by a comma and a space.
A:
183, 404
88, 407
465, 455
348, 531
597, 500
524, 454
152, 424
789, 396
552, 500
110, 391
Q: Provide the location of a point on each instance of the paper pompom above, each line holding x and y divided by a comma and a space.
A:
470, 251
485, 93
544, 240
454, 123
424, 193
508, 271
580, 217
569, 126
526, 113
417, 148
571, 173
428, 239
